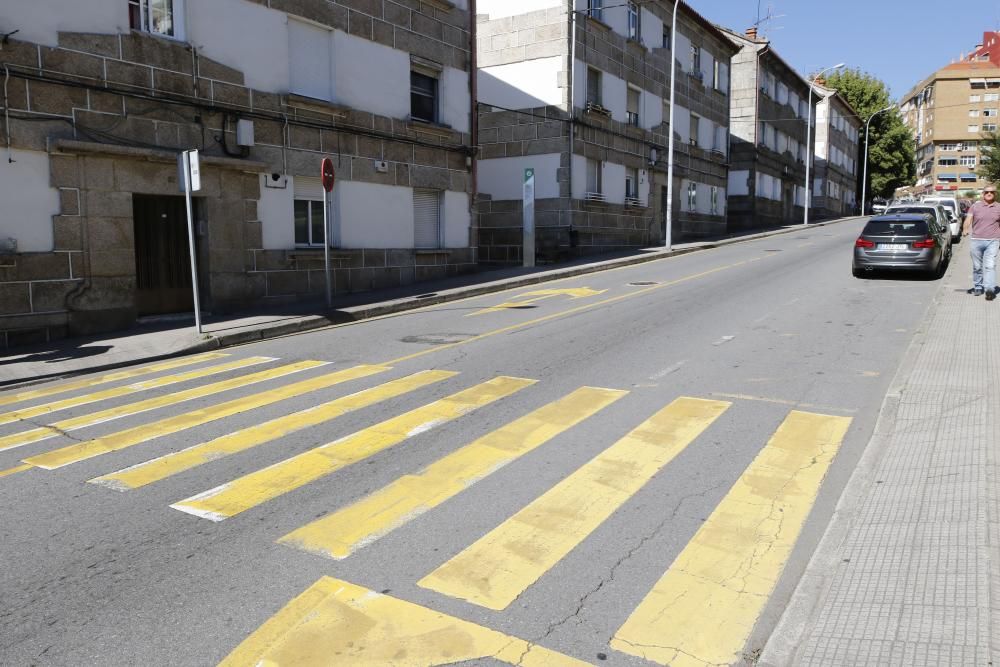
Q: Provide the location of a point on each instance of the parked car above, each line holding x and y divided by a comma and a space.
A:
949, 203
902, 242
943, 215
878, 206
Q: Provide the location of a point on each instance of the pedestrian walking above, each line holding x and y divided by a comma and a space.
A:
982, 225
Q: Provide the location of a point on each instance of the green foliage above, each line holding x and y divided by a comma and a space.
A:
989, 166
891, 153
969, 194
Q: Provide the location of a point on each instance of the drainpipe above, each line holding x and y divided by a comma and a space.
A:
668, 231
570, 84
474, 125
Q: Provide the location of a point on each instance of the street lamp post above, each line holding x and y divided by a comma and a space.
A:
864, 177
668, 228
809, 150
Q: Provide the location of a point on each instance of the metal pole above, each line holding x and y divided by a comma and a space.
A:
572, 102
668, 231
326, 247
190, 221
809, 154
864, 177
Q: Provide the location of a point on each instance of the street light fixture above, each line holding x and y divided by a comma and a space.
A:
864, 178
809, 150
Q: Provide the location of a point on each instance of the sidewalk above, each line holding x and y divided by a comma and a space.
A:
157, 340
907, 572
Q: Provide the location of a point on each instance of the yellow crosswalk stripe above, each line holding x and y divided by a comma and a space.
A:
168, 425
704, 607
32, 394
497, 568
171, 464
340, 534
55, 406
60, 427
256, 488
336, 622
15, 470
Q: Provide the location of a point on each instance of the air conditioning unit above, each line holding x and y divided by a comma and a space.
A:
594, 196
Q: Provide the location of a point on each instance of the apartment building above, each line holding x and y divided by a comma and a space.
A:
100, 96
835, 165
769, 110
949, 112
590, 116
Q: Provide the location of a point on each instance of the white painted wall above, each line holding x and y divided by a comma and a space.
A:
457, 219
579, 185
371, 76
682, 52
616, 17
739, 183
503, 178
682, 123
532, 83
28, 203
706, 134
707, 68
275, 210
375, 216
651, 114
613, 94
455, 104
223, 29
41, 20
499, 8
652, 29
644, 187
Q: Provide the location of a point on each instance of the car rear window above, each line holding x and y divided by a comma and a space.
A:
880, 227
910, 209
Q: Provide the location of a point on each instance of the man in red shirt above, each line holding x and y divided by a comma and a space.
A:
983, 225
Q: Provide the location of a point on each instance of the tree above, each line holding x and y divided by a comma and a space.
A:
891, 153
989, 150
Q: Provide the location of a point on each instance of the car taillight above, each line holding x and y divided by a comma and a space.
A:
926, 243
864, 243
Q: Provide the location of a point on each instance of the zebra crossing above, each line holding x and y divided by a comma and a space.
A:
702, 609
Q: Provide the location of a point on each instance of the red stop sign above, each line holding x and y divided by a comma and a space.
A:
328, 174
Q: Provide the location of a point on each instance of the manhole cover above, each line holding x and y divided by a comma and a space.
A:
643, 283
438, 338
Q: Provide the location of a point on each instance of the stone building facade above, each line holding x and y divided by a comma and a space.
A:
835, 181
589, 116
100, 98
769, 112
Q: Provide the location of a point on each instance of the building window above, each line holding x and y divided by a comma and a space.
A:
715, 200
973, 113
595, 9
692, 196
969, 145
947, 161
975, 98
694, 130
716, 80
967, 161
593, 86
427, 219
632, 106
990, 113
631, 184
632, 11
973, 128
594, 176
666, 37
989, 127
423, 97
948, 147
695, 59
308, 222
159, 17
991, 97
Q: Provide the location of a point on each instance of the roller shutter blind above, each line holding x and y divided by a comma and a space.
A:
426, 219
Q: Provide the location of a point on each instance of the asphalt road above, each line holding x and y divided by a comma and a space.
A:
757, 333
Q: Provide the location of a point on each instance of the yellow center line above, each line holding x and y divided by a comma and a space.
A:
110, 377
55, 406
169, 425
497, 568
702, 610
231, 443
340, 534
570, 311
268, 483
334, 621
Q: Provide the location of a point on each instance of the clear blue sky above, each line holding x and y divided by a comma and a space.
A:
896, 41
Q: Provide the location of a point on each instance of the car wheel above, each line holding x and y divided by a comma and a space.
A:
857, 273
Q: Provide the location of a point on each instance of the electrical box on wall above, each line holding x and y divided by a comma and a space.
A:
276, 181
244, 133
381, 166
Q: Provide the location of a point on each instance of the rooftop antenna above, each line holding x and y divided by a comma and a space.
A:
763, 23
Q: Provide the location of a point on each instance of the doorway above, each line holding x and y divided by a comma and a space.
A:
162, 258
788, 205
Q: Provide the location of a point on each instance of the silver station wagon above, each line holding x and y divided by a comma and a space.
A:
903, 242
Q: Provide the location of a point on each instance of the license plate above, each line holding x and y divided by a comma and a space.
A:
892, 246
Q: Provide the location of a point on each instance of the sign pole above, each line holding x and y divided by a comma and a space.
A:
529, 217
189, 164
328, 177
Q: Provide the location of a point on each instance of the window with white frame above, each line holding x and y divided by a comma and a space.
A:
632, 13
716, 78
631, 183
715, 200
423, 96
973, 128
969, 145
594, 176
695, 59
989, 127
975, 98
158, 17
694, 130
990, 113
633, 97
692, 196
593, 86
948, 161
595, 9
967, 160
991, 97
427, 219
307, 204
973, 113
